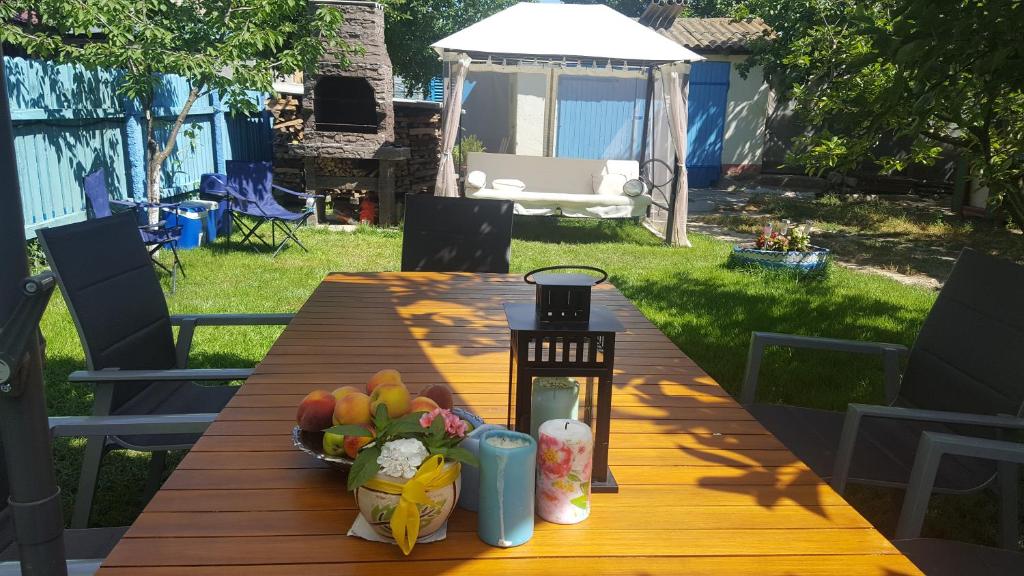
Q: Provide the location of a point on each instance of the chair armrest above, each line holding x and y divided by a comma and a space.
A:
294, 193
130, 425
760, 340
194, 374
856, 412
930, 450
232, 319
188, 323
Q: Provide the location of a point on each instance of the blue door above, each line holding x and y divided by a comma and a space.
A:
599, 118
709, 88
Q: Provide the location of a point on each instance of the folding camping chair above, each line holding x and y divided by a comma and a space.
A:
154, 236
249, 187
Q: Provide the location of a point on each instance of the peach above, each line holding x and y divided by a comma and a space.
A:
394, 396
422, 404
354, 443
315, 411
341, 391
334, 444
440, 394
353, 408
383, 378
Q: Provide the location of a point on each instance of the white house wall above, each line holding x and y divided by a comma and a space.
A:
746, 108
531, 103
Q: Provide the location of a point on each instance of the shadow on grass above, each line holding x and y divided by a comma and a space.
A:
556, 230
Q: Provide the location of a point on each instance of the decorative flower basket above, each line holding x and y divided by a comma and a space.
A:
379, 498
809, 261
402, 453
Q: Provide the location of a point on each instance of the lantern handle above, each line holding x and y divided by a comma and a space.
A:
604, 275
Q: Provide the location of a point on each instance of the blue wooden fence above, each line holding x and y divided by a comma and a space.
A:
69, 121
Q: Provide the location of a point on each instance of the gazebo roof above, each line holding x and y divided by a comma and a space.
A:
586, 31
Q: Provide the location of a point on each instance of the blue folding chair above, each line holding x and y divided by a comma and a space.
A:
154, 236
249, 190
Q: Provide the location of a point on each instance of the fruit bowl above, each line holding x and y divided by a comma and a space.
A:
312, 443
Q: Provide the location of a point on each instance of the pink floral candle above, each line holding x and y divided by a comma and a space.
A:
565, 451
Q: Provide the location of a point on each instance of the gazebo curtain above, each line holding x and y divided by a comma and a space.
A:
675, 80
451, 114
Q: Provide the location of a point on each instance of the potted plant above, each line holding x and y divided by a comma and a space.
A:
783, 246
406, 477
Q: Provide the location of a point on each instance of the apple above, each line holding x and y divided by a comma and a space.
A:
383, 378
353, 408
334, 444
394, 396
315, 411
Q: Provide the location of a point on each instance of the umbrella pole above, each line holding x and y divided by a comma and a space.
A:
34, 496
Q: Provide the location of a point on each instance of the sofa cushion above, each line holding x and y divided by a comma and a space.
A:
510, 184
555, 198
476, 179
609, 184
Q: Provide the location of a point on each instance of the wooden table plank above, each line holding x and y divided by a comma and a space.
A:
705, 489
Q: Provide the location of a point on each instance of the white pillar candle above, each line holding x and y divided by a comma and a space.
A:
564, 459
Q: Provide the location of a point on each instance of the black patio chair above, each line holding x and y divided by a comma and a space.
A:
456, 234
964, 374
84, 549
938, 557
154, 236
32, 535
130, 352
249, 189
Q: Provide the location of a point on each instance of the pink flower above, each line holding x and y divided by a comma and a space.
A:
553, 456
453, 425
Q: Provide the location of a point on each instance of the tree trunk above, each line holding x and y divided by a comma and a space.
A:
156, 154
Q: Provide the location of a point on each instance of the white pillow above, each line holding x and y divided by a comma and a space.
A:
609, 184
476, 179
508, 184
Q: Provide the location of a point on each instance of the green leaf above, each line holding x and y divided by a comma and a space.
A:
349, 430
573, 477
381, 421
462, 455
364, 467
580, 501
437, 427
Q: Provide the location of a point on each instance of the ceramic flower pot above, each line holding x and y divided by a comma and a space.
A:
809, 261
377, 506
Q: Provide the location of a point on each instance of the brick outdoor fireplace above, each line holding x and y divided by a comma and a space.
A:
348, 113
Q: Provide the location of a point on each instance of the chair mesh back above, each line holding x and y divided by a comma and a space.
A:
252, 181
113, 294
95, 185
456, 234
969, 356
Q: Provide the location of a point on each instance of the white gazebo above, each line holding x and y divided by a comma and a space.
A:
588, 39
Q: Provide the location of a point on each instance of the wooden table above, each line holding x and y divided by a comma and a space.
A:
704, 488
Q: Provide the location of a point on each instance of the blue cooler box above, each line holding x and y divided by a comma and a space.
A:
194, 218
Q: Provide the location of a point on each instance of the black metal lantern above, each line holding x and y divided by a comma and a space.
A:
564, 335
563, 297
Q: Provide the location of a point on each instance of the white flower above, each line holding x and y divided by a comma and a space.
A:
401, 458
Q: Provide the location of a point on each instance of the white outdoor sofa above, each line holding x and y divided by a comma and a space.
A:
556, 186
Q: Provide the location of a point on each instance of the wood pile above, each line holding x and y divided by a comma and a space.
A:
418, 127
287, 119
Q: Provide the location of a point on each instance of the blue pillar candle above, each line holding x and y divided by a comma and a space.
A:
508, 465
470, 496
553, 399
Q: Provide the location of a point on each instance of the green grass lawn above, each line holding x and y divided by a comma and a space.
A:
705, 307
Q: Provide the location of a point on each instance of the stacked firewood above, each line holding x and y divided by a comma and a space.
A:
419, 129
287, 120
